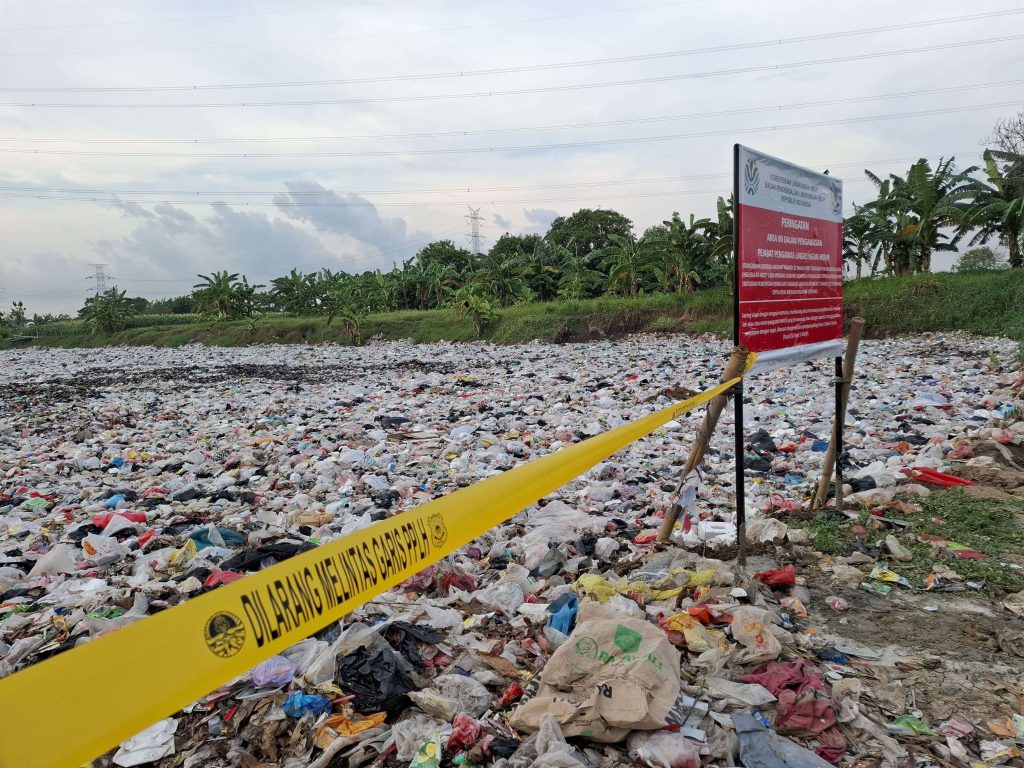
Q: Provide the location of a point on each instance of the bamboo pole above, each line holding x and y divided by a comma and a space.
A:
849, 365
733, 369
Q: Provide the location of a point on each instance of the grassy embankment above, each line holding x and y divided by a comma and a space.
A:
989, 303
989, 526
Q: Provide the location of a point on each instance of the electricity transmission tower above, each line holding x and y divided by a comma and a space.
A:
101, 279
475, 238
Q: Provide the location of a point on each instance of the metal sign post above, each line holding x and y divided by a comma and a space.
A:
741, 500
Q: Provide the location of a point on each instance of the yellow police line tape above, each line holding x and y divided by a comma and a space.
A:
67, 710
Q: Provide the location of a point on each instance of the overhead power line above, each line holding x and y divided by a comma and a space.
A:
418, 204
282, 204
517, 69
522, 91
74, 289
335, 39
175, 20
448, 190
524, 147
525, 129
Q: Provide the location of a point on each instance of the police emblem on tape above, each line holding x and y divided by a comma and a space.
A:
438, 532
224, 634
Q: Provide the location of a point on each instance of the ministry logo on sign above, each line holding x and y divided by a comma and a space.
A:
837, 198
751, 177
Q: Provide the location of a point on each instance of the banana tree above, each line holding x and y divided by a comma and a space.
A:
576, 280
627, 259
296, 293
857, 240
688, 256
109, 312
216, 296
998, 208
926, 209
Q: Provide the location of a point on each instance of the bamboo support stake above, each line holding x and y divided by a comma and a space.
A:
733, 369
849, 364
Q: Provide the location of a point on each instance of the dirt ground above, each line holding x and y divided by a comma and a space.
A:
944, 662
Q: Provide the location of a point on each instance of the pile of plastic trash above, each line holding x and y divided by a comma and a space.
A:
134, 479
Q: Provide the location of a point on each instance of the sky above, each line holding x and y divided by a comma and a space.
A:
167, 140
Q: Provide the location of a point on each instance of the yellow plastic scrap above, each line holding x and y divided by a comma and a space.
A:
881, 573
346, 723
698, 637
597, 587
698, 578
603, 590
183, 555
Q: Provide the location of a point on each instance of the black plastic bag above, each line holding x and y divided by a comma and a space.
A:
376, 679
405, 638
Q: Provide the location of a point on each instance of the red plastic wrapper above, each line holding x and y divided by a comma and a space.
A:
459, 579
780, 577
512, 694
465, 732
217, 578
422, 580
101, 521
933, 477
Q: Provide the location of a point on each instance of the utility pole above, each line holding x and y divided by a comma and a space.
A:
474, 218
101, 279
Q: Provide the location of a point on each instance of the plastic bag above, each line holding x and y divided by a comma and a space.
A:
662, 749
413, 733
465, 732
782, 577
696, 636
614, 675
739, 694
407, 638
602, 589
563, 613
553, 751
377, 680
298, 704
60, 559
275, 672
345, 724
750, 631
148, 746
762, 748
504, 596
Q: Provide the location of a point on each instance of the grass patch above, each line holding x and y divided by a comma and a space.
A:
984, 303
990, 526
666, 324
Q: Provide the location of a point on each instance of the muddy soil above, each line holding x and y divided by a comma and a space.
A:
944, 662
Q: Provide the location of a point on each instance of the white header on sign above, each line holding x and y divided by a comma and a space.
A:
773, 184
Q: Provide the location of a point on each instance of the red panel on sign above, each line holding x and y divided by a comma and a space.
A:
789, 255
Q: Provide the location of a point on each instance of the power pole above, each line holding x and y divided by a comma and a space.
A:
101, 279
475, 238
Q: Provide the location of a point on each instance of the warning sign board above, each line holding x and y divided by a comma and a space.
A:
789, 254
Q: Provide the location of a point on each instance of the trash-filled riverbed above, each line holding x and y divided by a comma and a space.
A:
135, 479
